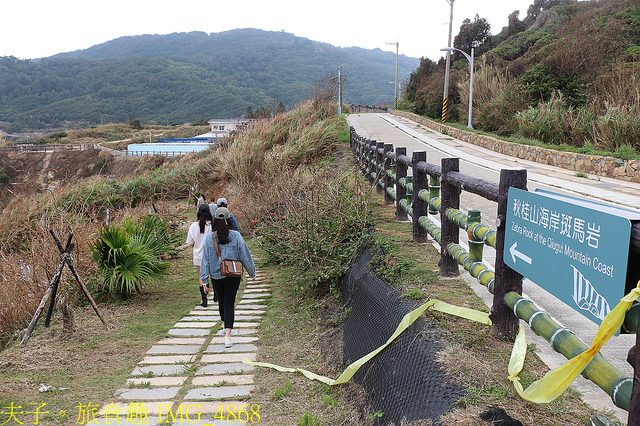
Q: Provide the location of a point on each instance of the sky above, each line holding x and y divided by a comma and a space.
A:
40, 28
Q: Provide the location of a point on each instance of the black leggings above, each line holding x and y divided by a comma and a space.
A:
226, 289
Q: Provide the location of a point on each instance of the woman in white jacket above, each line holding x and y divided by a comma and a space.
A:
197, 232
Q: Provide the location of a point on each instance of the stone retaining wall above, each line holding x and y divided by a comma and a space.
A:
628, 170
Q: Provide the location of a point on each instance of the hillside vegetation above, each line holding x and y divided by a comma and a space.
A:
251, 171
182, 77
567, 73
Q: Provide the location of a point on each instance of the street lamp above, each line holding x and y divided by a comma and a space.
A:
470, 59
149, 131
397, 44
445, 97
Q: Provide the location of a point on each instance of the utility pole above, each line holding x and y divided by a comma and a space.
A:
445, 97
397, 44
339, 90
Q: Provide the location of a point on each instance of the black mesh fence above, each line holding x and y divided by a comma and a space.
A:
405, 381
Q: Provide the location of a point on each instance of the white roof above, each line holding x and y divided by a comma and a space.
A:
225, 120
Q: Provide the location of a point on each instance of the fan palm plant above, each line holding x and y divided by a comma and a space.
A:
129, 256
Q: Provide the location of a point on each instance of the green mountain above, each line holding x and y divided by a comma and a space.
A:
183, 77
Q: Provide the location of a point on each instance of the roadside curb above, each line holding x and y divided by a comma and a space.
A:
627, 170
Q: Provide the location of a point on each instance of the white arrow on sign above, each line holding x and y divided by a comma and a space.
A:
515, 253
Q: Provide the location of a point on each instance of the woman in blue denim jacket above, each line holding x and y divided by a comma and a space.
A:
232, 247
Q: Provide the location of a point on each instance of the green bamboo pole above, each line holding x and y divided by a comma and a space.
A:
484, 233
392, 193
392, 173
407, 183
477, 269
431, 228
405, 203
458, 217
434, 192
599, 371
476, 245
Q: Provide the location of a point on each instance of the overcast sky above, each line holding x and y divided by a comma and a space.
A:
39, 28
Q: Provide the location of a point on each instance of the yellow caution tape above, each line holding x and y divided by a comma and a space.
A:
408, 319
556, 381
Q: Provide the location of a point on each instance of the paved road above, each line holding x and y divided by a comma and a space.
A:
485, 164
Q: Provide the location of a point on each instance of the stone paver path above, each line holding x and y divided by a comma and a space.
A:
189, 376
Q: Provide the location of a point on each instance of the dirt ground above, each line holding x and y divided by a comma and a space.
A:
33, 172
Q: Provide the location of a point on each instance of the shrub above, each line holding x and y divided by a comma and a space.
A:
135, 124
130, 255
315, 226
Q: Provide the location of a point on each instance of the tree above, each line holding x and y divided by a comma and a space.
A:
472, 34
426, 68
135, 124
515, 24
539, 6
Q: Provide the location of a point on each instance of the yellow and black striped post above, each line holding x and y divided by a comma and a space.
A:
445, 105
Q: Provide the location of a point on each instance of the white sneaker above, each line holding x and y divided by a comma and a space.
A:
228, 343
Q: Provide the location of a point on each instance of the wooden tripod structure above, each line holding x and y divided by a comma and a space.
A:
65, 258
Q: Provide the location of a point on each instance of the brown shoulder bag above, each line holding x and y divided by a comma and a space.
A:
228, 268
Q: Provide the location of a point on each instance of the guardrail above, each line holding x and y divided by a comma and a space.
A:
163, 153
435, 190
46, 148
187, 140
359, 109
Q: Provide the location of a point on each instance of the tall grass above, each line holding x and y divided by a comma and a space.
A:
551, 122
617, 128
610, 122
496, 97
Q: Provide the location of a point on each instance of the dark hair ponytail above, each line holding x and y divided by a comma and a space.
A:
202, 221
221, 229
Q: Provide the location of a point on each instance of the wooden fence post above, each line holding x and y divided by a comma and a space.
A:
505, 322
450, 198
362, 158
379, 166
371, 153
388, 182
352, 141
418, 205
634, 360
401, 191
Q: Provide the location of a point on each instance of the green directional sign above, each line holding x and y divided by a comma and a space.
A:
575, 249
